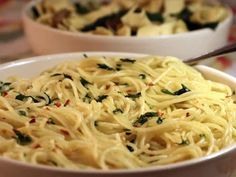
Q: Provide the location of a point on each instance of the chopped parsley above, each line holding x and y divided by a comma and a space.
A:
22, 138
105, 67
130, 148
84, 82
95, 123
181, 91
144, 118
35, 12
51, 121
142, 76
134, 96
22, 97
22, 112
116, 111
35, 99
159, 120
66, 76
202, 135
184, 142
4, 87
101, 98
87, 98
127, 60
85, 55
81, 9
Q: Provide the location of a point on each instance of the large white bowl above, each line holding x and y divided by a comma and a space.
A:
220, 164
47, 40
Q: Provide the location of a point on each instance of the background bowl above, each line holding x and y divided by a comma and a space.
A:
47, 40
219, 164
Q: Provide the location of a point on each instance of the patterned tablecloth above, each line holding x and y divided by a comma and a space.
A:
13, 44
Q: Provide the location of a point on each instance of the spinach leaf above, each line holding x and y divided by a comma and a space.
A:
155, 17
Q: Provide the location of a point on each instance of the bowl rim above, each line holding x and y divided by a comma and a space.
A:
80, 55
27, 18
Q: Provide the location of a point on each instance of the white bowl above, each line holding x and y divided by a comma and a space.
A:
219, 164
47, 40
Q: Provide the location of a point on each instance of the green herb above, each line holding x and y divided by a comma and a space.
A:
105, 67
87, 98
118, 67
67, 76
128, 133
111, 21
101, 98
22, 97
22, 112
49, 100
159, 120
4, 87
183, 90
155, 17
130, 148
133, 96
95, 123
22, 138
167, 92
186, 15
56, 74
53, 162
116, 111
35, 12
144, 118
202, 136
51, 121
84, 82
184, 142
81, 9
85, 55
127, 60
142, 76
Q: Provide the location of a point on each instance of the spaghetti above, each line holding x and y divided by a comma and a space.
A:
115, 113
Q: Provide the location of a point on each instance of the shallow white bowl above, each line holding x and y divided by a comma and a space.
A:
220, 164
47, 40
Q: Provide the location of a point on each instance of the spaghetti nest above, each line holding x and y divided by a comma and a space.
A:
115, 113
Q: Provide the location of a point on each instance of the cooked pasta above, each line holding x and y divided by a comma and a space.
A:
129, 17
115, 113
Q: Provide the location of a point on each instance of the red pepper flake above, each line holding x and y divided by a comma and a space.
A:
150, 84
64, 132
108, 86
160, 113
4, 94
67, 102
32, 121
224, 61
129, 91
36, 146
57, 104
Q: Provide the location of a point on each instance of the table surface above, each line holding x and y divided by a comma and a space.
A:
13, 44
